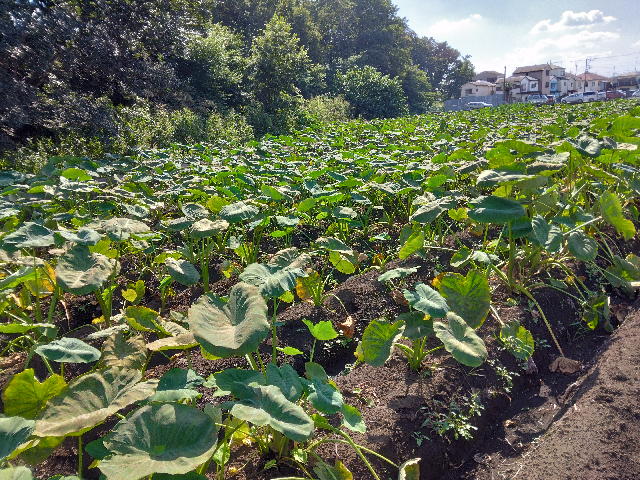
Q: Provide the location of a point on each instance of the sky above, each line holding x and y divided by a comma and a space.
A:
499, 33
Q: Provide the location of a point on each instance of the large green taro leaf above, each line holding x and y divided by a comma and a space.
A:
177, 384
90, 400
494, 209
16, 473
613, 214
234, 329
377, 341
239, 211
167, 438
279, 275
119, 229
461, 341
426, 300
416, 325
207, 228
582, 246
549, 236
84, 236
266, 405
119, 351
492, 178
26, 397
467, 296
81, 272
69, 350
325, 397
30, 235
286, 379
428, 212
397, 273
182, 271
14, 431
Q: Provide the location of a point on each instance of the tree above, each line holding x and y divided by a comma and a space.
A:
278, 68
373, 94
217, 64
416, 86
446, 68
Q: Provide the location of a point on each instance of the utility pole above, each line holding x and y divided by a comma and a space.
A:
504, 85
586, 69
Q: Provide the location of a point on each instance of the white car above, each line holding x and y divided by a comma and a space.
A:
573, 98
477, 105
589, 97
536, 99
636, 94
602, 95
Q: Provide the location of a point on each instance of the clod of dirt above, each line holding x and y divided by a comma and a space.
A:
565, 365
348, 327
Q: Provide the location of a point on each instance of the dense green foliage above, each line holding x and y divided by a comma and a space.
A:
521, 198
73, 73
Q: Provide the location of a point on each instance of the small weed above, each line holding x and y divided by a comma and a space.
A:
457, 417
505, 375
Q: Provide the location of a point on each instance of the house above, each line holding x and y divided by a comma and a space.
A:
592, 82
488, 76
573, 82
478, 88
543, 74
627, 82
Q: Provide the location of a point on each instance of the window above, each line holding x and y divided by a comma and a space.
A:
546, 85
593, 84
468, 91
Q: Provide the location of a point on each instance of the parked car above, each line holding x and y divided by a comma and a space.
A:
602, 95
551, 100
589, 96
613, 94
536, 99
636, 94
573, 98
477, 105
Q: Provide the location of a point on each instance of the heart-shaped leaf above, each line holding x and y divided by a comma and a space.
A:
377, 341
426, 300
207, 228
494, 209
416, 325
26, 397
468, 296
397, 273
234, 329
120, 351
266, 405
176, 385
582, 246
182, 271
69, 350
286, 379
81, 272
90, 400
325, 397
612, 213
30, 235
237, 212
461, 341
549, 236
428, 212
169, 438
14, 431
279, 276
15, 473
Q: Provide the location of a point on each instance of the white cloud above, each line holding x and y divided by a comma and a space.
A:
445, 29
636, 45
570, 19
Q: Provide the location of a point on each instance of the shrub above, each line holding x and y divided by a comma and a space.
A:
372, 94
325, 108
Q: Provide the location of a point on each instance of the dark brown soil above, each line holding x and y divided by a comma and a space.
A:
589, 431
398, 403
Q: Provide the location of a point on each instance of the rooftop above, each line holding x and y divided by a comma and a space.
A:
535, 68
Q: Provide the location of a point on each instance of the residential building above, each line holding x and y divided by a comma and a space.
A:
627, 82
478, 88
488, 76
543, 74
592, 82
